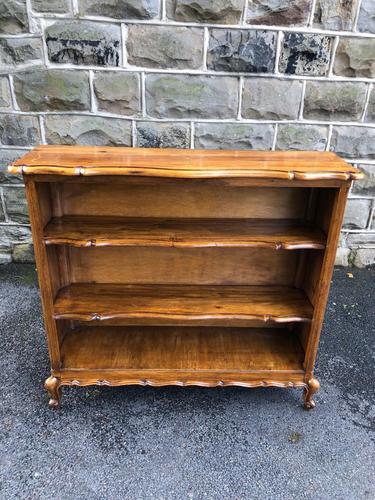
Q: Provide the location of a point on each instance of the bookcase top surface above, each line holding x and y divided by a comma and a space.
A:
180, 163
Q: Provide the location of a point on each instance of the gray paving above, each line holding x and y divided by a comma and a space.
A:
173, 443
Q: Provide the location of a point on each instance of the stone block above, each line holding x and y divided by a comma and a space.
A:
15, 204
342, 257
366, 186
163, 135
335, 14
208, 11
342, 101
355, 57
184, 96
24, 252
87, 130
353, 142
120, 9
271, 99
5, 255
19, 130
13, 17
364, 257
5, 98
364, 239
165, 46
58, 6
370, 113
17, 51
2, 215
8, 156
279, 12
12, 235
251, 51
117, 93
366, 19
52, 90
356, 214
305, 54
233, 136
84, 42
301, 137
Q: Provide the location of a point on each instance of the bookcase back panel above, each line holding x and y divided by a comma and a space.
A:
191, 266
189, 199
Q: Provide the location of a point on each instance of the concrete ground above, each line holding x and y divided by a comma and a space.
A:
173, 443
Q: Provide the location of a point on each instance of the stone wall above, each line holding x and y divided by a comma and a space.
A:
247, 74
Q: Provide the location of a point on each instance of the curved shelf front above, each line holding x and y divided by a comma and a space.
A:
81, 231
182, 304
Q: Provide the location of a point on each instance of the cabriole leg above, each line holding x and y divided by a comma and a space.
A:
312, 387
52, 385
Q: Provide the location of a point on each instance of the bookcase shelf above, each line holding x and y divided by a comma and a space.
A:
182, 304
81, 231
173, 267
186, 355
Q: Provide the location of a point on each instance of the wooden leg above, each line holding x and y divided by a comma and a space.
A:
52, 385
312, 387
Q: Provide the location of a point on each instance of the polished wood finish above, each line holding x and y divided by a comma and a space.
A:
178, 304
80, 231
176, 163
173, 267
181, 349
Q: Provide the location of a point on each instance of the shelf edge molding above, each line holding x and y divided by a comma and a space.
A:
250, 173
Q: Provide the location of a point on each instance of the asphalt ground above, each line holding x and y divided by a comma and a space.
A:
189, 443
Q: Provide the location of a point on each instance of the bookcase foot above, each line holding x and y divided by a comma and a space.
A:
52, 385
313, 386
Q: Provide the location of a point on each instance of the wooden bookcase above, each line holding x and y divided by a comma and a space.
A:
171, 267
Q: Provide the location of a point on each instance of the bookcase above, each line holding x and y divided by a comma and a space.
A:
184, 267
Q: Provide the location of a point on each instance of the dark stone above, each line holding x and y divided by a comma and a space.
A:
87, 130
14, 51
60, 6
242, 50
330, 100
366, 186
19, 130
13, 17
279, 13
234, 136
120, 9
15, 204
305, 54
8, 156
163, 135
84, 42
52, 89
271, 99
353, 142
209, 11
165, 46
191, 96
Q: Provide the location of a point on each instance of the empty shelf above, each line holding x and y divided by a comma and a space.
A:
182, 304
109, 231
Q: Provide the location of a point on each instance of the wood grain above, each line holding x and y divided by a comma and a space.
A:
81, 231
201, 304
181, 348
198, 266
89, 160
183, 198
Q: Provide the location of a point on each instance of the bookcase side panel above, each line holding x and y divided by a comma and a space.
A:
40, 210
